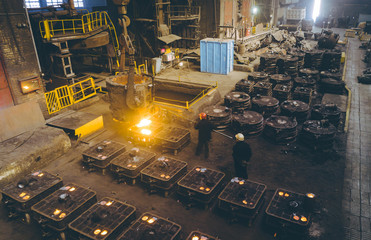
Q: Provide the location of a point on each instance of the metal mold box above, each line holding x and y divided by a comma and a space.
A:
103, 220
201, 236
164, 172
130, 163
286, 209
150, 226
101, 154
63, 206
200, 184
242, 197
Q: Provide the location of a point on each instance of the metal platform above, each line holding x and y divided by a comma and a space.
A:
77, 124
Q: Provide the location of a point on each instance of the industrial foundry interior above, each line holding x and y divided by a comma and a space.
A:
185, 119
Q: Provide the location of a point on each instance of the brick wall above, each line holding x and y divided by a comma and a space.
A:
19, 55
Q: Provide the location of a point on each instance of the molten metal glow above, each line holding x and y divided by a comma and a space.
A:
26, 87
296, 218
303, 219
62, 215
109, 204
311, 195
280, 193
72, 189
145, 132
202, 188
207, 189
144, 218
56, 212
104, 232
241, 182
195, 238
167, 177
26, 197
162, 175
197, 169
22, 194
144, 123
129, 165
150, 221
40, 175
97, 231
244, 202
286, 194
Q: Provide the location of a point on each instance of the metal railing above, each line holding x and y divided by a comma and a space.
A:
87, 23
185, 104
68, 95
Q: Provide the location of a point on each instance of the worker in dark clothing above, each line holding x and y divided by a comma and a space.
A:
204, 127
241, 156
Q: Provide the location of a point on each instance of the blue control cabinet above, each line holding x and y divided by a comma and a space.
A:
217, 55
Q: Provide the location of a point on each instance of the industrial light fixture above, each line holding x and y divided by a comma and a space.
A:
316, 9
254, 10
29, 85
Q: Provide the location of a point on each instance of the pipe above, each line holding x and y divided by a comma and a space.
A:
349, 95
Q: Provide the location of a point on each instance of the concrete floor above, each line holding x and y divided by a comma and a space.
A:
299, 170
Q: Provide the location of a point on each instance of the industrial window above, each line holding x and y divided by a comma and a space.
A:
79, 3
53, 2
32, 3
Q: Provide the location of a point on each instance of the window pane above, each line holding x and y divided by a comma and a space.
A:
32, 3
53, 2
79, 3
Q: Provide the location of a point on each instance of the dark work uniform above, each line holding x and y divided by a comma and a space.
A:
241, 155
204, 136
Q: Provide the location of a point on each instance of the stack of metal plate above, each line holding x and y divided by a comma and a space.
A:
300, 55
295, 108
249, 123
309, 73
331, 74
265, 105
305, 82
281, 129
262, 88
237, 101
303, 94
331, 112
317, 134
331, 85
246, 86
280, 79
288, 64
220, 116
258, 76
331, 60
313, 59
282, 92
268, 63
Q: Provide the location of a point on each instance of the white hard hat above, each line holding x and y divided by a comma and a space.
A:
240, 137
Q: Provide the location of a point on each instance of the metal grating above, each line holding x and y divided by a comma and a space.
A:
101, 154
130, 163
64, 205
164, 172
103, 220
150, 226
172, 137
201, 183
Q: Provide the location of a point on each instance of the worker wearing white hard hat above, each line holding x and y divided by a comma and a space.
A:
241, 156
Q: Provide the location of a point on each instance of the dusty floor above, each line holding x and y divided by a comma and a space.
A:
299, 170
292, 167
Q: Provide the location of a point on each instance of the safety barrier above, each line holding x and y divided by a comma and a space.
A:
185, 104
68, 95
87, 23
